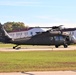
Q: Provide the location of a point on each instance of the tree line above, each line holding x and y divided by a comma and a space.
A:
14, 26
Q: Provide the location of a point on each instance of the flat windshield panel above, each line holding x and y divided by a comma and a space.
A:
73, 37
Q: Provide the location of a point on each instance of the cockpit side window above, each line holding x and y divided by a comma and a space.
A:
57, 38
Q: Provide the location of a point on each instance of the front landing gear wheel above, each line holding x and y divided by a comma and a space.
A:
56, 46
65, 45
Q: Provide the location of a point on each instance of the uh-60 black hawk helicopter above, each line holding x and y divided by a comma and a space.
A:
53, 36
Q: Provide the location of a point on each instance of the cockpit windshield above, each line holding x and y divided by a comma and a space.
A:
73, 37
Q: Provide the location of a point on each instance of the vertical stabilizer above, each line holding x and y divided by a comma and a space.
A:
4, 35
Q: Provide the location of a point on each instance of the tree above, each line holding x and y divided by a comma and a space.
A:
14, 26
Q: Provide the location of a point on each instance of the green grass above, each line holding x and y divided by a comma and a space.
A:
37, 61
2, 45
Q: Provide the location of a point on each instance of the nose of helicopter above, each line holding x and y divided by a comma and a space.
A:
74, 41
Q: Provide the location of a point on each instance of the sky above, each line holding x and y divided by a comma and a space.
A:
45, 13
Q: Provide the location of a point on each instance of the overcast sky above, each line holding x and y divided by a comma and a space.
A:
39, 12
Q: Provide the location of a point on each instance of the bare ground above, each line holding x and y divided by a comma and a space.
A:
42, 73
36, 48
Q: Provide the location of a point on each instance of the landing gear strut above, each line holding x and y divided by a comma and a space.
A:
16, 47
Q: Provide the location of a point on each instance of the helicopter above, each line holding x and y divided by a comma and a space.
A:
53, 36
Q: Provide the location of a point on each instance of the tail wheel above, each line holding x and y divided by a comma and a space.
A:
13, 47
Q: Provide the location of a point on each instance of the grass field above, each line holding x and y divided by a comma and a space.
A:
6, 45
37, 61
